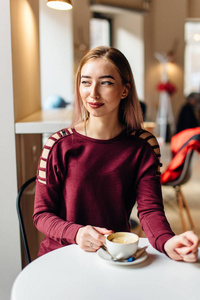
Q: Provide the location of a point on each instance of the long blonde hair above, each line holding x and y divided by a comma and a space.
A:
130, 113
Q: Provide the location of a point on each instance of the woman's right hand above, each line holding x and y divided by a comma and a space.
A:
91, 238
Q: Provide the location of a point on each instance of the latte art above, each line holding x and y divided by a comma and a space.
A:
122, 240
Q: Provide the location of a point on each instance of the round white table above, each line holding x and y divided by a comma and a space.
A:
71, 273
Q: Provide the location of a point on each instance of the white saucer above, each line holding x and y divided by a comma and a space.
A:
103, 254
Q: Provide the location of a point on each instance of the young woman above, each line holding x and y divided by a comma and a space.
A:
91, 175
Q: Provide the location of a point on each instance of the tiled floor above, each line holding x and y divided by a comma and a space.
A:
191, 191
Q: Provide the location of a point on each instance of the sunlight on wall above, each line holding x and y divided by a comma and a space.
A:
128, 37
25, 57
29, 29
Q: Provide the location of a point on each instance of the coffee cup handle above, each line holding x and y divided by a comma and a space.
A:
106, 238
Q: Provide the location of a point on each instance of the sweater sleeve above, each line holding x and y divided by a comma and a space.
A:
149, 199
49, 210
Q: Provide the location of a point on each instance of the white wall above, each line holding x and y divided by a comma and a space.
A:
56, 52
129, 38
162, 27
9, 230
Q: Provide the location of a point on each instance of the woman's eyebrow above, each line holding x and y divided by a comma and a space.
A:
101, 77
85, 76
107, 76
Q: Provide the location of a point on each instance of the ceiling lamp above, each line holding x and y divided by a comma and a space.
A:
60, 4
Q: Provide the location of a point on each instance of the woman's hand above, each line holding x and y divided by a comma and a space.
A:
183, 247
91, 238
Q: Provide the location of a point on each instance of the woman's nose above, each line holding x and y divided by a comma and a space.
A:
94, 93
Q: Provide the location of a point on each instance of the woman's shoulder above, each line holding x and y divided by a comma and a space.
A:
55, 138
147, 138
50, 151
152, 146
59, 135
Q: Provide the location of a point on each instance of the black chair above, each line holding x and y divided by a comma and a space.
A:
21, 220
176, 184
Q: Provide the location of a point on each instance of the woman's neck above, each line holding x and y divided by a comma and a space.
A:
102, 129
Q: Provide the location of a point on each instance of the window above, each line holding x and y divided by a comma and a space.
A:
100, 31
192, 57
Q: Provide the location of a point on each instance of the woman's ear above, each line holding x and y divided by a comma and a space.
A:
126, 90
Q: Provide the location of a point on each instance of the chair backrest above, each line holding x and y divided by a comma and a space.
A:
21, 219
181, 145
186, 171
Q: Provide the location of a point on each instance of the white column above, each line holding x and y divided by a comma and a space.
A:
10, 260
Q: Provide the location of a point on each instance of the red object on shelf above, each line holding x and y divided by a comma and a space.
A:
167, 87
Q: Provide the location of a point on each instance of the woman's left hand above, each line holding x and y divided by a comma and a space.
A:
183, 247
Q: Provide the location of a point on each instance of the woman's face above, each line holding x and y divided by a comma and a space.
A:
101, 88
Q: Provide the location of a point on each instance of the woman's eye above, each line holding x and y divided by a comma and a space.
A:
84, 82
107, 83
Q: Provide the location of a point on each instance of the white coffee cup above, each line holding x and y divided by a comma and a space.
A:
122, 245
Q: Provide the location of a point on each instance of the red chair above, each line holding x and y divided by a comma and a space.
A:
179, 170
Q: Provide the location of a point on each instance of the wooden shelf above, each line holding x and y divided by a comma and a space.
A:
45, 121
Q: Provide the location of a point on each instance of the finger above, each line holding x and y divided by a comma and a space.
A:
103, 230
97, 237
98, 234
175, 256
186, 254
185, 250
185, 246
91, 247
184, 241
86, 237
96, 242
92, 235
191, 257
191, 238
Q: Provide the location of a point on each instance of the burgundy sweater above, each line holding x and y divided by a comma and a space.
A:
84, 181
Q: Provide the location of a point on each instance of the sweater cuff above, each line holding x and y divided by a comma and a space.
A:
160, 242
69, 234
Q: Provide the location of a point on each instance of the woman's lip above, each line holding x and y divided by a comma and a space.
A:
95, 104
